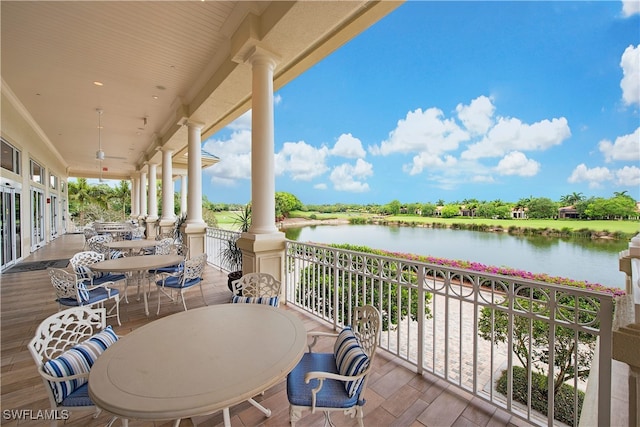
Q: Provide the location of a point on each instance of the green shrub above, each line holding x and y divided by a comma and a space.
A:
563, 400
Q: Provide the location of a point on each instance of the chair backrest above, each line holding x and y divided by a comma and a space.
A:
83, 260
64, 329
179, 249
61, 331
163, 247
137, 232
256, 285
165, 235
96, 243
366, 323
64, 283
194, 267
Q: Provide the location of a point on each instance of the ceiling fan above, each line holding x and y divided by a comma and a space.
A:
100, 155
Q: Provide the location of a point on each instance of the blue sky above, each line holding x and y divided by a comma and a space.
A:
455, 100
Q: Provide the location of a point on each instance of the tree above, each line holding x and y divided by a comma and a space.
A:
530, 338
285, 203
393, 207
428, 209
123, 195
80, 193
542, 207
449, 211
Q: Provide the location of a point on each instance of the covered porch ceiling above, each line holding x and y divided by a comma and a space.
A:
160, 63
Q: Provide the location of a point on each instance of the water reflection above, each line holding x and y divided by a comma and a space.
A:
595, 261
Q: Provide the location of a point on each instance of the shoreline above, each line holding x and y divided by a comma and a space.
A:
305, 222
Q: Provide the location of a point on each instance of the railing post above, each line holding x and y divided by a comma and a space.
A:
626, 338
421, 319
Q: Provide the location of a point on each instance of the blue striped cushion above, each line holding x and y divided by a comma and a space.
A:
85, 272
114, 254
77, 360
274, 301
83, 293
350, 358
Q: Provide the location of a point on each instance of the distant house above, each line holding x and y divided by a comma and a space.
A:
519, 213
568, 212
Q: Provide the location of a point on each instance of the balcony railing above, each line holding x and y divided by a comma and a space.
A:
462, 326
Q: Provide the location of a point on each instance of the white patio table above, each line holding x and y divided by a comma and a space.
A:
131, 246
138, 266
197, 362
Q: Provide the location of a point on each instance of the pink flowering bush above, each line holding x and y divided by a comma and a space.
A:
504, 271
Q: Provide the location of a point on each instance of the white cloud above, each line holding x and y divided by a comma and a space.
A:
630, 7
347, 177
626, 147
235, 158
630, 82
241, 123
510, 134
301, 161
426, 161
516, 163
348, 146
421, 132
628, 176
482, 179
595, 176
477, 116
321, 186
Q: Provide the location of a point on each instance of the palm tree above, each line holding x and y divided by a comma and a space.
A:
122, 193
80, 192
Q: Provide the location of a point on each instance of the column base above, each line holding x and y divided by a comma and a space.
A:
194, 235
263, 253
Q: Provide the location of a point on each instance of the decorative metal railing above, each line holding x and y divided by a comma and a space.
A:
525, 346
215, 242
459, 325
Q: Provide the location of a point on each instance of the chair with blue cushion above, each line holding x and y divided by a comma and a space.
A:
256, 288
72, 291
64, 348
187, 277
81, 263
336, 381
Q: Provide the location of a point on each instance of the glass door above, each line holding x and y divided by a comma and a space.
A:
37, 218
54, 216
11, 249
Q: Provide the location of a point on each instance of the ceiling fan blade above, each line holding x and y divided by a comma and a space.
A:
115, 157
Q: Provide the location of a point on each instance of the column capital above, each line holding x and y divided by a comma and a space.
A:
259, 55
192, 124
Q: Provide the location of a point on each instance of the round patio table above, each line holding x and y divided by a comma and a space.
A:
192, 363
138, 266
131, 246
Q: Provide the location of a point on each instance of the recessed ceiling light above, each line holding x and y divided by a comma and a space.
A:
155, 96
97, 83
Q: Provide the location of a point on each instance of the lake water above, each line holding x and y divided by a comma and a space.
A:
595, 261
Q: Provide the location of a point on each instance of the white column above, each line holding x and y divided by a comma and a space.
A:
135, 188
143, 193
262, 145
194, 194
167, 187
183, 194
153, 192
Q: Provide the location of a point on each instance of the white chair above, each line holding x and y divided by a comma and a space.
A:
81, 263
72, 291
187, 277
64, 348
336, 381
257, 288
